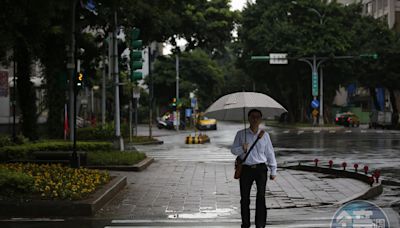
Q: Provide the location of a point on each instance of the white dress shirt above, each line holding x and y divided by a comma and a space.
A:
263, 151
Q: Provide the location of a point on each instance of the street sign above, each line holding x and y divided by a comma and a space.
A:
314, 85
278, 58
315, 104
193, 102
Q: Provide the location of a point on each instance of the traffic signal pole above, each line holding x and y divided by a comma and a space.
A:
315, 63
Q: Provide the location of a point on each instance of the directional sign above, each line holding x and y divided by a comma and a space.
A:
315, 104
314, 85
278, 58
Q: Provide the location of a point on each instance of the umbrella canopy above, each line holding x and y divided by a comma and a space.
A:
236, 105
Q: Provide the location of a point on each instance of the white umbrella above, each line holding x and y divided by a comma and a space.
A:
236, 105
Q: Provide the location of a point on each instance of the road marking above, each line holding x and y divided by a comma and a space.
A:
33, 220
332, 131
300, 132
379, 131
287, 131
317, 131
347, 131
363, 131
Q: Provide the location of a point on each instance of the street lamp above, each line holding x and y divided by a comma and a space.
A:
315, 63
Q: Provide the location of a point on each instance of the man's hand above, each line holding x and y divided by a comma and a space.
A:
272, 177
245, 147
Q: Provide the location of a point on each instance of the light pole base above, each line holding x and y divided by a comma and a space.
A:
119, 143
75, 161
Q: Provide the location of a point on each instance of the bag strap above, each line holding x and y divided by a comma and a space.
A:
260, 135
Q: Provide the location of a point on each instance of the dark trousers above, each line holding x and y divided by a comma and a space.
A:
250, 174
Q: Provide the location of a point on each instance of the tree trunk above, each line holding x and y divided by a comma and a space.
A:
395, 114
374, 99
56, 85
26, 91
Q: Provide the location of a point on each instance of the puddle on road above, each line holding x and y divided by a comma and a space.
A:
204, 213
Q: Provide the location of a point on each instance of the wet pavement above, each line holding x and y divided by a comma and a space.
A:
193, 185
193, 190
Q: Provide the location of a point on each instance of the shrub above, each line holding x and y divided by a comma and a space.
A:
115, 158
58, 182
14, 183
25, 151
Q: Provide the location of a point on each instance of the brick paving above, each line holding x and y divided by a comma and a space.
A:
177, 189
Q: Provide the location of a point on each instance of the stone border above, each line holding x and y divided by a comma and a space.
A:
54, 208
136, 167
375, 190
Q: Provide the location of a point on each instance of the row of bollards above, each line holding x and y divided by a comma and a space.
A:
375, 174
197, 139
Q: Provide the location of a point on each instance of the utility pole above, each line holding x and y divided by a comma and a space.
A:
177, 91
120, 140
150, 58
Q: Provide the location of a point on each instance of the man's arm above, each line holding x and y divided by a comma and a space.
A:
236, 148
270, 154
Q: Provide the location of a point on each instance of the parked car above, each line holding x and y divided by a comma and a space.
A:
347, 119
204, 123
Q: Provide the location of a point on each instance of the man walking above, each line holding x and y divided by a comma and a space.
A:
254, 168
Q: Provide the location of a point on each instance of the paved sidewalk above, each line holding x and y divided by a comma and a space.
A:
194, 190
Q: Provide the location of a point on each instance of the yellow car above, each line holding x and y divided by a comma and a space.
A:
204, 123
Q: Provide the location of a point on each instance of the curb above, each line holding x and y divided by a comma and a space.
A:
374, 191
86, 207
147, 143
136, 167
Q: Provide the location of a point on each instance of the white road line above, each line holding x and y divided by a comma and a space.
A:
300, 132
317, 131
287, 131
347, 131
332, 131
363, 131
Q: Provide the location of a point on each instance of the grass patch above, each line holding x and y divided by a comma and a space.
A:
114, 157
141, 139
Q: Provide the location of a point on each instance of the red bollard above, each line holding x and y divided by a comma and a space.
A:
371, 180
344, 164
366, 169
355, 167
316, 162
377, 174
330, 164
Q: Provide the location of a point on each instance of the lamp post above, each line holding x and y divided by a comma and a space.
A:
315, 63
321, 75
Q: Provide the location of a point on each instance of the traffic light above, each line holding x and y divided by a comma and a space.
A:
370, 56
136, 56
79, 80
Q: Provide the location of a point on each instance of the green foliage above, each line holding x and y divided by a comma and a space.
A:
115, 158
100, 132
197, 71
14, 184
25, 151
305, 28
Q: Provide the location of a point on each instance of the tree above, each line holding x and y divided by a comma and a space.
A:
302, 29
198, 72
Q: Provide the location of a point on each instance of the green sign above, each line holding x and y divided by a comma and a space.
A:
314, 85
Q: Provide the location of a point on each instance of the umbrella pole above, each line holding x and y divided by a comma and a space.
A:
244, 121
